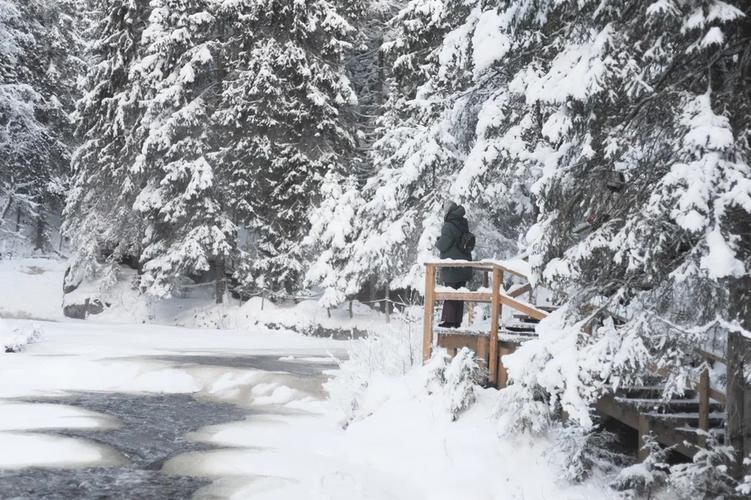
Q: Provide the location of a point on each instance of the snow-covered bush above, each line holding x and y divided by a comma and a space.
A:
707, 476
454, 379
392, 357
585, 453
390, 353
14, 339
643, 479
744, 488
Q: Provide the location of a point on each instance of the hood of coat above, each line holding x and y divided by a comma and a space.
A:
455, 213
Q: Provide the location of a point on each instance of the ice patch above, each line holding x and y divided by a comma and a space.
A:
41, 450
31, 416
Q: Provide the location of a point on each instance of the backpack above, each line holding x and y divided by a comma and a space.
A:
466, 242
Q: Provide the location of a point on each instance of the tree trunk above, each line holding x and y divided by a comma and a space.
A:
737, 419
6, 210
738, 356
387, 302
40, 239
221, 284
18, 219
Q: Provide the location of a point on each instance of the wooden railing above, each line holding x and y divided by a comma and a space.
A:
489, 347
497, 297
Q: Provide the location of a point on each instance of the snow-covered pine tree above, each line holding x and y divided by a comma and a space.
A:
450, 130
39, 67
386, 219
333, 220
630, 114
638, 205
284, 124
188, 231
98, 214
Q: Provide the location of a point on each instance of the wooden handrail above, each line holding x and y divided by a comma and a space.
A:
483, 265
497, 297
464, 296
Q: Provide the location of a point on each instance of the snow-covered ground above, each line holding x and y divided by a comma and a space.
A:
380, 432
31, 288
292, 445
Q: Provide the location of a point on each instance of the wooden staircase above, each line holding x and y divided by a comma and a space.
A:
682, 422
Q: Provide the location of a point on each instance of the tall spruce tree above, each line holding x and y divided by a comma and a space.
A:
283, 113
39, 67
188, 231
227, 117
99, 217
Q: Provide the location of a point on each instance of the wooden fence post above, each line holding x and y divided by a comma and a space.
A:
495, 311
427, 333
388, 302
703, 390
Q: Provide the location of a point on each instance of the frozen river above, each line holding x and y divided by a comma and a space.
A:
94, 411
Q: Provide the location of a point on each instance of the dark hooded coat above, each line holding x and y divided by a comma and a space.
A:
455, 224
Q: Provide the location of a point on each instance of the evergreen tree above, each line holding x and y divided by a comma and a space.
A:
187, 228
282, 109
99, 216
38, 73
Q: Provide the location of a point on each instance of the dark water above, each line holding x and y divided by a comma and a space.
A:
153, 430
298, 368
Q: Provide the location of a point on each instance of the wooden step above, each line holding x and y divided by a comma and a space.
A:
519, 326
653, 392
669, 406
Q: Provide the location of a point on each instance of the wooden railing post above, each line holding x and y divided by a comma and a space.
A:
427, 333
495, 311
387, 301
703, 390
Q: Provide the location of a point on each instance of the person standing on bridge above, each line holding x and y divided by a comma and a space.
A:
456, 242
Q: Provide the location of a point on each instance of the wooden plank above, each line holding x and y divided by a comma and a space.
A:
458, 340
624, 413
470, 313
668, 435
495, 313
427, 332
479, 265
462, 263
520, 291
463, 296
717, 396
527, 309
712, 356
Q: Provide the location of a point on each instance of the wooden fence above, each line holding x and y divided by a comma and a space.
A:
489, 346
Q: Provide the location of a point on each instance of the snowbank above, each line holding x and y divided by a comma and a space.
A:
391, 429
42, 450
31, 288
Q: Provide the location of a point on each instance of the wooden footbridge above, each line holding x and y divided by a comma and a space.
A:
682, 423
